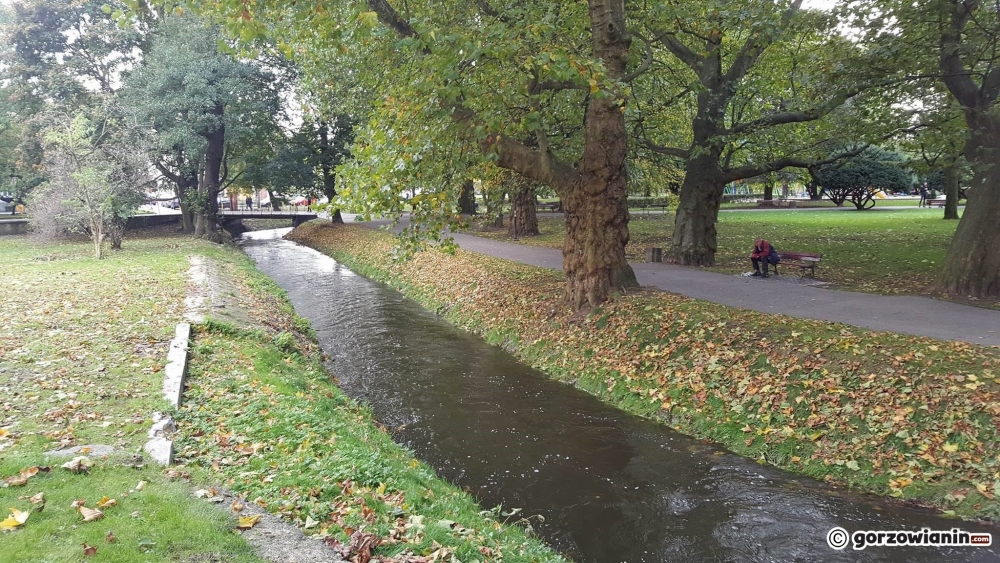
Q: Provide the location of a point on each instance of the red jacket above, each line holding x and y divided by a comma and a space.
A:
761, 251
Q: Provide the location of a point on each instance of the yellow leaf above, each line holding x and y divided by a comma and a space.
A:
949, 447
90, 514
4, 432
106, 502
247, 522
15, 519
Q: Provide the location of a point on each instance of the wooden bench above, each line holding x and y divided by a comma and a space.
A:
802, 260
936, 202
551, 207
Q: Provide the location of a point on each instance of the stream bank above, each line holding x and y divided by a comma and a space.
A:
900, 416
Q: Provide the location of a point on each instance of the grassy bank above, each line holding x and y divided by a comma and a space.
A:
899, 251
895, 415
263, 417
82, 347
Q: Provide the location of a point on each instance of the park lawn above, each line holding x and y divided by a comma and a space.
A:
891, 414
898, 251
82, 345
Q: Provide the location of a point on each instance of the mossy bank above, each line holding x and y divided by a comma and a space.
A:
895, 415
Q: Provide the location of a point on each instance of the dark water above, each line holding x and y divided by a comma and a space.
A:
612, 487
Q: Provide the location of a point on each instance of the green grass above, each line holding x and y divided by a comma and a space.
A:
82, 347
898, 251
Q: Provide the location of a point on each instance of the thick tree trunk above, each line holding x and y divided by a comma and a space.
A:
972, 265
594, 249
467, 199
951, 179
207, 222
523, 210
596, 211
695, 238
768, 191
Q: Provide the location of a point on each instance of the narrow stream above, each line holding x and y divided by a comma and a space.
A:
612, 487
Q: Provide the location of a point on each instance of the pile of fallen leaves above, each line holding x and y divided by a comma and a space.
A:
903, 416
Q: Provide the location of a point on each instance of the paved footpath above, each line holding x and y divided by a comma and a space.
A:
904, 314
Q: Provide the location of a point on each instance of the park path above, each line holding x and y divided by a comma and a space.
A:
783, 295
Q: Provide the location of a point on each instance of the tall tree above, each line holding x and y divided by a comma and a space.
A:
493, 76
205, 105
958, 42
756, 78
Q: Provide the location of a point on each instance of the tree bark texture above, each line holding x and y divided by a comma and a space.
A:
951, 179
695, 239
523, 208
972, 265
596, 212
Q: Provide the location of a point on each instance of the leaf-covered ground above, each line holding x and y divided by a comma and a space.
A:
896, 415
897, 251
82, 345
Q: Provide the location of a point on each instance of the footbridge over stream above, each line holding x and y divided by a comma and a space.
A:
232, 220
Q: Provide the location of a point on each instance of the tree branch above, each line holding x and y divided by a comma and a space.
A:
956, 77
541, 166
754, 47
788, 162
489, 10
680, 50
388, 16
670, 151
647, 60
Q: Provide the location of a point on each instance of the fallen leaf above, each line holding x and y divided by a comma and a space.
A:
78, 464
110, 537
15, 481
247, 522
84, 450
16, 518
140, 486
949, 447
310, 523
106, 502
39, 502
78, 503
238, 505
90, 514
89, 550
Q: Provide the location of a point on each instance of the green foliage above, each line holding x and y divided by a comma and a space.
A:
858, 179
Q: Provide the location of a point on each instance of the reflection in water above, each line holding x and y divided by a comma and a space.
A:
612, 487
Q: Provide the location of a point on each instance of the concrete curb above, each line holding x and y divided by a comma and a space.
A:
160, 446
176, 369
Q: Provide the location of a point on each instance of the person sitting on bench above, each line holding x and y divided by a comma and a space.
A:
763, 252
